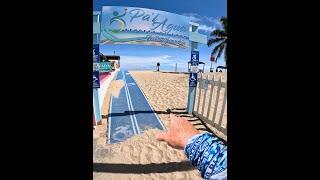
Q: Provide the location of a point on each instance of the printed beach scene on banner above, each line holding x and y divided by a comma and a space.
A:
132, 25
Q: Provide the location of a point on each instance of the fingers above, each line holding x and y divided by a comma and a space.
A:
175, 118
171, 116
162, 136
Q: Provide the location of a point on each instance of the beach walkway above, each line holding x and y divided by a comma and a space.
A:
130, 113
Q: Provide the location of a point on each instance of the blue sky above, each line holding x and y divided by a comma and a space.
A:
142, 57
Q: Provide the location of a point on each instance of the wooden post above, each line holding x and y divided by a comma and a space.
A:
204, 96
211, 94
217, 100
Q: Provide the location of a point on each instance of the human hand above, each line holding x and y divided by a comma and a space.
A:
179, 133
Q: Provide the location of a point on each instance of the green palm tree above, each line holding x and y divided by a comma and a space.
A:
220, 40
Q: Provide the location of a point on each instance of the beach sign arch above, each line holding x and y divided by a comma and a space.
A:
135, 25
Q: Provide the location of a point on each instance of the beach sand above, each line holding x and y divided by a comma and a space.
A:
142, 156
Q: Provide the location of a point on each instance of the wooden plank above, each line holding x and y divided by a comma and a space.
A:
217, 100
205, 118
194, 113
211, 94
198, 91
223, 106
213, 124
224, 131
199, 97
223, 84
204, 96
196, 104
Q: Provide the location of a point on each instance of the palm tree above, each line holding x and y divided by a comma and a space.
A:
220, 39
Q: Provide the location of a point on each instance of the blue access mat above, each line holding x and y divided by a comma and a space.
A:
130, 113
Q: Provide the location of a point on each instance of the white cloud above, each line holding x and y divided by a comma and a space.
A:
194, 17
165, 56
212, 20
206, 23
146, 59
106, 8
167, 63
149, 62
206, 28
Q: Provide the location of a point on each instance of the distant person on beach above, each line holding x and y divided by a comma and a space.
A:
205, 151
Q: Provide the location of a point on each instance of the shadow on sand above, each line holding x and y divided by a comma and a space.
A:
143, 168
177, 111
126, 113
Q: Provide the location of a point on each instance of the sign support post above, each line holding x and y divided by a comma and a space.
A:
194, 38
96, 105
194, 65
96, 83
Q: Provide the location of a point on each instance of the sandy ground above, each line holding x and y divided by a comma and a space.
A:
142, 156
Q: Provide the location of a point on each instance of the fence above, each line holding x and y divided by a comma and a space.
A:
211, 101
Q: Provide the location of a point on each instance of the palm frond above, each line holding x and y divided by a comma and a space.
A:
216, 52
220, 50
223, 21
213, 41
219, 33
219, 36
216, 49
225, 53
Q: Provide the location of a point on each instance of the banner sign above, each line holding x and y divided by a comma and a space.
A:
193, 79
105, 67
96, 57
96, 66
194, 58
133, 25
194, 69
96, 79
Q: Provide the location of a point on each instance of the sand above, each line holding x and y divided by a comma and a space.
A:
142, 156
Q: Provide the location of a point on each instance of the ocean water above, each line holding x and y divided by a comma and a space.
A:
168, 68
167, 63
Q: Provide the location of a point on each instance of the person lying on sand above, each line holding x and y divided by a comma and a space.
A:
205, 151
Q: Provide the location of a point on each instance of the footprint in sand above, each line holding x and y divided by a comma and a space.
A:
180, 176
173, 154
145, 155
163, 146
162, 178
127, 151
136, 150
157, 156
